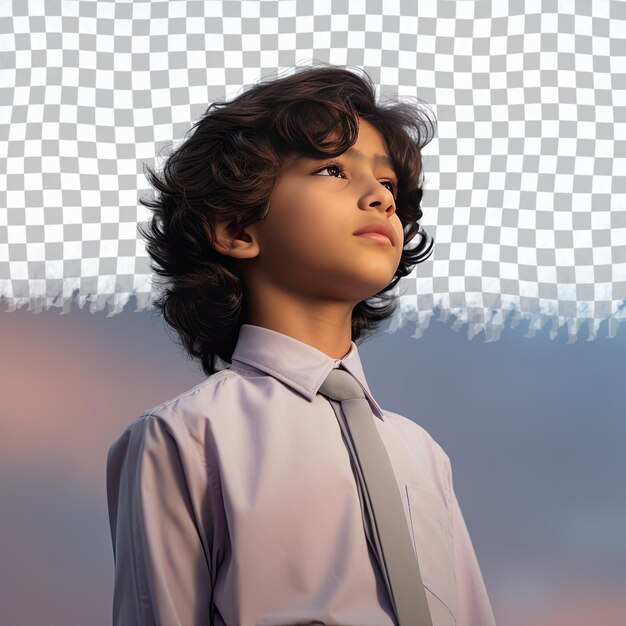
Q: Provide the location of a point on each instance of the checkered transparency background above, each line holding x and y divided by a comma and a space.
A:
525, 190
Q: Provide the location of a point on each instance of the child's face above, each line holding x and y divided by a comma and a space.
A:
307, 241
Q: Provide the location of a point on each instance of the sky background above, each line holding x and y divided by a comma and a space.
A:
534, 428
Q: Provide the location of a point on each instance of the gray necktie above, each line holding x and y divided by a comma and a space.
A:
381, 505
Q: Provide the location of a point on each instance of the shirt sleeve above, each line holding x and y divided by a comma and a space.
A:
474, 607
162, 571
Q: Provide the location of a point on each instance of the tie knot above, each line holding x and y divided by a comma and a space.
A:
341, 385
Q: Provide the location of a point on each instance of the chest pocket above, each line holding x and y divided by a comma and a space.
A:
432, 540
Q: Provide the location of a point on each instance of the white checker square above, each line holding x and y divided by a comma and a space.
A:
126, 265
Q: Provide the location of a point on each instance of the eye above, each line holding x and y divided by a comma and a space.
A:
391, 187
331, 166
339, 168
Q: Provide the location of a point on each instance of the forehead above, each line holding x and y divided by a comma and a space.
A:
369, 146
370, 138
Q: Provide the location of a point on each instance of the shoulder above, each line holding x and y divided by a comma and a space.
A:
188, 414
417, 435
194, 398
176, 434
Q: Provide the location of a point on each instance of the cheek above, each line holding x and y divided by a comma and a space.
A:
296, 236
320, 224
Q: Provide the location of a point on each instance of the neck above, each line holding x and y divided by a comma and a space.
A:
325, 326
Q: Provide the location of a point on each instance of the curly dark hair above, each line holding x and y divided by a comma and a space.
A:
225, 170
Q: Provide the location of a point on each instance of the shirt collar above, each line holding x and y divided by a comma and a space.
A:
295, 363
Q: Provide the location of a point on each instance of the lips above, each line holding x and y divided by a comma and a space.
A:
378, 227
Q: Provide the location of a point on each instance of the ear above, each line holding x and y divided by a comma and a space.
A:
236, 241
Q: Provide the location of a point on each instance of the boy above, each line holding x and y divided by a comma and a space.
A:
235, 503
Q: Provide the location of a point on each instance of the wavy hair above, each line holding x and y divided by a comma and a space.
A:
225, 170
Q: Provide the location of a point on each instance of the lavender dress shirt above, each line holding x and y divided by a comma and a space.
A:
240, 492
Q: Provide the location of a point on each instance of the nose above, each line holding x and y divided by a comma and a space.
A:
379, 197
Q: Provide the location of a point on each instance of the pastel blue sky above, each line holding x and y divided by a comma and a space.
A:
534, 427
